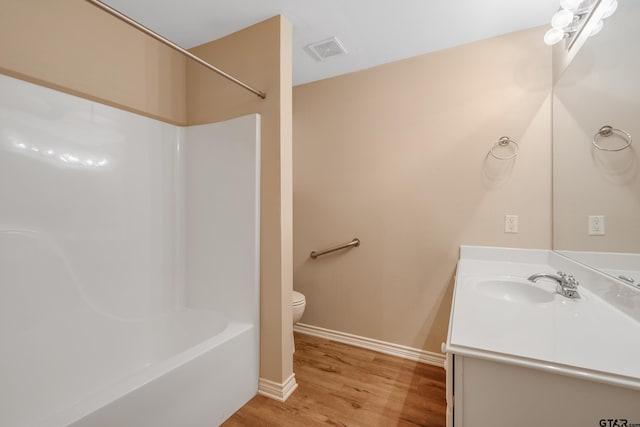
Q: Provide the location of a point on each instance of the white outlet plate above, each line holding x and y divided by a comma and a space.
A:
596, 225
511, 223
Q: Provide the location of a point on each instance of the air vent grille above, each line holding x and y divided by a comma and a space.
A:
326, 48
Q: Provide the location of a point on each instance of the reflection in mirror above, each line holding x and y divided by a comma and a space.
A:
596, 201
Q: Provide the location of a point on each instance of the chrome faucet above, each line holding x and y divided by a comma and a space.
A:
567, 286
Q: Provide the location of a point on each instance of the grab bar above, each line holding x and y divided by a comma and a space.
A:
355, 243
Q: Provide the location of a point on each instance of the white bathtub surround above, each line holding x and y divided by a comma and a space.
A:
220, 193
129, 264
402, 351
515, 342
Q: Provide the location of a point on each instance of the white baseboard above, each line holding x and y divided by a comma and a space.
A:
277, 391
410, 353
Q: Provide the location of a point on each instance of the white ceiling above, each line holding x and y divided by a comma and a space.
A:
374, 32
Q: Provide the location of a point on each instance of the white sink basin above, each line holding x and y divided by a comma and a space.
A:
513, 290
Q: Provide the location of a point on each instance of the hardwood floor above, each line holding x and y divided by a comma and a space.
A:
341, 385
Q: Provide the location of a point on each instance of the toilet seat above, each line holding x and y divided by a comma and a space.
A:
299, 302
298, 298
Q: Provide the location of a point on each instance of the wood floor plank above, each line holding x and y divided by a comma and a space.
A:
342, 385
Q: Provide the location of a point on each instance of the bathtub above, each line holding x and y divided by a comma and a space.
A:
185, 368
129, 265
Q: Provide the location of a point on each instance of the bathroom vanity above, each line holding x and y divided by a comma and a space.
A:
520, 353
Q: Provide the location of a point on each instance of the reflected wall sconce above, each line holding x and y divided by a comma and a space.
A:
572, 18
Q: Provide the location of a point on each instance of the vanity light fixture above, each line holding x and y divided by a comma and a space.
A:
569, 4
562, 19
572, 17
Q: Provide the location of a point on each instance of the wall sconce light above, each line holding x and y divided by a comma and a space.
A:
572, 17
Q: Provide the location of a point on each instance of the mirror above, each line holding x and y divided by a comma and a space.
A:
596, 201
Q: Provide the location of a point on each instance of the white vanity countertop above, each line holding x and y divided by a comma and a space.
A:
588, 337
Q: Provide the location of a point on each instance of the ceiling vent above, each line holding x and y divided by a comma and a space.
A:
326, 48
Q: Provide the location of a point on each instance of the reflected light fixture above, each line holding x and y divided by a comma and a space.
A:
597, 28
67, 159
573, 15
611, 9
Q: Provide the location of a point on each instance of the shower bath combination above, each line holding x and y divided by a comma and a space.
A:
122, 300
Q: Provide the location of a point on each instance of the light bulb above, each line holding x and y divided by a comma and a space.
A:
597, 28
562, 18
611, 10
569, 4
553, 36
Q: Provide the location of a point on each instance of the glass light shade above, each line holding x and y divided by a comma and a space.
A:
610, 11
597, 28
585, 7
562, 18
569, 4
553, 36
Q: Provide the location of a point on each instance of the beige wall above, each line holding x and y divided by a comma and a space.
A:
72, 46
397, 156
261, 56
600, 87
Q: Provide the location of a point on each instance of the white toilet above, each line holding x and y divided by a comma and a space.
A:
299, 303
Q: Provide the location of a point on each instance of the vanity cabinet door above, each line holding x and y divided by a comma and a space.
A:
493, 394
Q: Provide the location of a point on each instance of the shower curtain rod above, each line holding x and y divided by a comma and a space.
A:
174, 46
